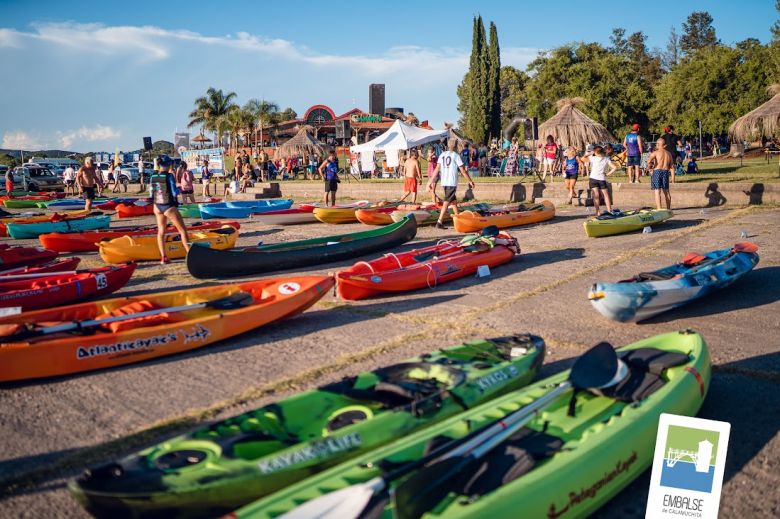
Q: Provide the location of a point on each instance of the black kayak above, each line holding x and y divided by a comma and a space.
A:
203, 262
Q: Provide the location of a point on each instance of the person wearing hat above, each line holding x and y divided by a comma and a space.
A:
163, 190
634, 146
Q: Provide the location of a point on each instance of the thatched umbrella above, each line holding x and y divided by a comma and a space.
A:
763, 121
571, 127
302, 144
459, 139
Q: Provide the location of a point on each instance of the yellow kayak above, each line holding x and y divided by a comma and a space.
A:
144, 248
346, 214
619, 223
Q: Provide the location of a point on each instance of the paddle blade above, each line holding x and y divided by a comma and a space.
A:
746, 246
347, 503
692, 258
423, 491
595, 368
237, 300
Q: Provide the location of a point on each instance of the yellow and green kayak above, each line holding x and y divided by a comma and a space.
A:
618, 222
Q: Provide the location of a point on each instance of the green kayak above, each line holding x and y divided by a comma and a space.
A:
20, 203
557, 465
189, 211
218, 468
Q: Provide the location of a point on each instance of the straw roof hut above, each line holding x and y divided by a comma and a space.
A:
459, 139
763, 121
571, 127
301, 144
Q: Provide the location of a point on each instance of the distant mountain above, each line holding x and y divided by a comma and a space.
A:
52, 154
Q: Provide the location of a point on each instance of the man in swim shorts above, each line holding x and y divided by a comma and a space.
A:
662, 165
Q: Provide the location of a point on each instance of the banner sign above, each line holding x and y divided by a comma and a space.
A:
196, 158
368, 118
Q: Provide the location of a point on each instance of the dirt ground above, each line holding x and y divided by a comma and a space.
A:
53, 429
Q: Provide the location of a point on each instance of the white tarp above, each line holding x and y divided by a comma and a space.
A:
400, 136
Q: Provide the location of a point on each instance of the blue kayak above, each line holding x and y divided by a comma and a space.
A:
33, 230
242, 209
649, 293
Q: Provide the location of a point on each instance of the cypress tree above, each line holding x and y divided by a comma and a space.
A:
477, 118
494, 76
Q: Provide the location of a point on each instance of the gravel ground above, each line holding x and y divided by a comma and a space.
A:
52, 429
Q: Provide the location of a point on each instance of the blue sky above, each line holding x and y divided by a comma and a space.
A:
91, 75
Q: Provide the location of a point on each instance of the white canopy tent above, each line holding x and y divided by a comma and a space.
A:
400, 136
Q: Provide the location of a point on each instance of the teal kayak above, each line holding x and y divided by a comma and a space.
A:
33, 230
218, 468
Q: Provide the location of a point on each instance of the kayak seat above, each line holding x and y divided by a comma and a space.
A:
134, 308
507, 462
512, 344
652, 276
646, 367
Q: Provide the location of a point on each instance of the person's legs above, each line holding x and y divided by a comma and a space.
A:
607, 200
406, 193
414, 195
596, 194
333, 198
175, 217
161, 224
657, 195
668, 197
445, 206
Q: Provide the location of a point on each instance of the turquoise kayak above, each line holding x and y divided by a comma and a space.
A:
22, 231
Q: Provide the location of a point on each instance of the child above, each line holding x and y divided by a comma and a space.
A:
600, 167
571, 171
692, 166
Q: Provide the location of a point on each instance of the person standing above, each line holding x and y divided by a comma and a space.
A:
329, 170
600, 167
205, 178
634, 148
141, 175
670, 140
187, 181
511, 159
69, 178
88, 180
661, 163
9, 182
448, 167
432, 161
571, 170
117, 178
482, 157
162, 189
715, 146
550, 154
412, 176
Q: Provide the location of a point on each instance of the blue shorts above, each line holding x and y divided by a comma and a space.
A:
660, 179
633, 160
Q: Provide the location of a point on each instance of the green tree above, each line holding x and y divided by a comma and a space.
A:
671, 55
473, 92
698, 32
494, 83
285, 115
512, 87
210, 107
776, 25
263, 113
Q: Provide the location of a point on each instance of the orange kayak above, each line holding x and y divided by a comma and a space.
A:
505, 216
422, 268
144, 338
128, 210
381, 215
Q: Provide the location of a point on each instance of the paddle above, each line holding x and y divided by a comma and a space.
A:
236, 300
745, 246
596, 368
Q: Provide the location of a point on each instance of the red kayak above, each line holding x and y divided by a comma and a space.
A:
64, 288
16, 256
130, 210
58, 265
85, 241
427, 267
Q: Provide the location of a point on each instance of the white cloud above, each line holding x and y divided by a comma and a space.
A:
84, 134
19, 140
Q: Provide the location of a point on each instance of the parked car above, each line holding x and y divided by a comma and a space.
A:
37, 178
131, 169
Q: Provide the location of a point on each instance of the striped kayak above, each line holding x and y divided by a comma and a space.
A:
143, 338
38, 217
144, 248
62, 288
338, 215
650, 293
557, 465
423, 268
12, 256
619, 222
58, 265
85, 241
217, 468
242, 209
33, 230
381, 215
246, 261
506, 216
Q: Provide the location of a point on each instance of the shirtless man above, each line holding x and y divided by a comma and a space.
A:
412, 177
662, 165
87, 180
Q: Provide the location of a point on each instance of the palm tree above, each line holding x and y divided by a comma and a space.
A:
210, 107
262, 112
238, 120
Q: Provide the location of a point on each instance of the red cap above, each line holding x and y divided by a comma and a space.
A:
635, 126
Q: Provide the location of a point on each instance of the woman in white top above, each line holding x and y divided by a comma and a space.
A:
69, 177
600, 167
